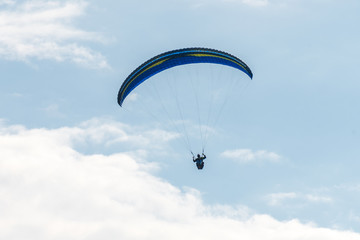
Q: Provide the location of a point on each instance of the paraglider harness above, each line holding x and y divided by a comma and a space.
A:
199, 160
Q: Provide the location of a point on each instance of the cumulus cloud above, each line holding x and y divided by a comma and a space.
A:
49, 190
43, 29
248, 155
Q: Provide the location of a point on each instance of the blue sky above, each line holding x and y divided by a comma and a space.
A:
75, 165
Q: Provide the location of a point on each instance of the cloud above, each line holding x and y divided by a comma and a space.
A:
16, 95
280, 199
7, 2
252, 3
53, 110
43, 30
319, 199
49, 190
256, 3
248, 155
348, 187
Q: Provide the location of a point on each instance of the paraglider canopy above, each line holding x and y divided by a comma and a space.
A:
174, 58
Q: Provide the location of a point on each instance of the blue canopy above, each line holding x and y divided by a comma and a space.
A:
174, 58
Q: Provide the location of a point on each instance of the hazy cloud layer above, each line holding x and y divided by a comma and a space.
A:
48, 190
44, 30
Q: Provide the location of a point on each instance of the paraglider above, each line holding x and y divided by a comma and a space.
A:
173, 59
199, 161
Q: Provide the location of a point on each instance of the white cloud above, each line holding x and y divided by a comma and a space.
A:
248, 155
48, 190
256, 3
317, 198
132, 97
278, 198
281, 199
348, 187
252, 3
53, 110
43, 29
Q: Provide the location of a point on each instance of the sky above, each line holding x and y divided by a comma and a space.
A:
281, 161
